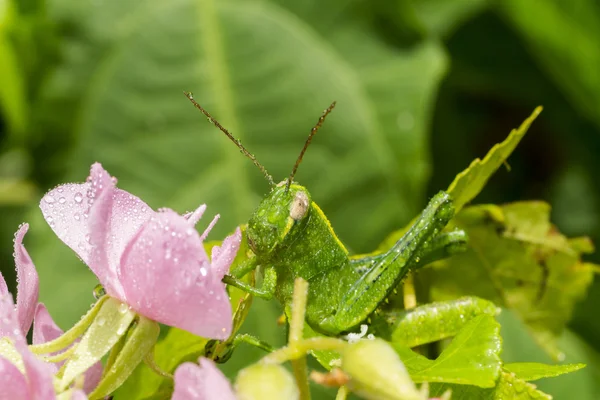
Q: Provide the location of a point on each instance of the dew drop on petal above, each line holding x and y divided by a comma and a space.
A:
123, 308
77, 216
62, 200
99, 291
100, 321
49, 199
78, 197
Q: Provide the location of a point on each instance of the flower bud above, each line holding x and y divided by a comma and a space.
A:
376, 372
265, 382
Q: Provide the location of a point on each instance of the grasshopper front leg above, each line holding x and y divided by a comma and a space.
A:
266, 291
358, 296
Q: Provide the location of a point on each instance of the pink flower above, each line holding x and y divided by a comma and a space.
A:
153, 261
35, 383
27, 282
201, 382
28, 309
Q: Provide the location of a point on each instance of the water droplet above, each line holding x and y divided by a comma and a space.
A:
203, 271
123, 308
62, 200
49, 199
78, 197
100, 321
77, 216
99, 291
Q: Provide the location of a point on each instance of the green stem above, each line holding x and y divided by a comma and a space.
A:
151, 363
72, 334
298, 311
301, 348
301, 374
61, 356
342, 393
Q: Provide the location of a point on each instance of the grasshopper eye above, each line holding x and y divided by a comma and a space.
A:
299, 206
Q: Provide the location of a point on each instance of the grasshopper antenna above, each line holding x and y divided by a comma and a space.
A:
237, 142
313, 131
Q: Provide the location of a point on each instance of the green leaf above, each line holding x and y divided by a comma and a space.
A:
177, 347
435, 321
467, 184
139, 341
472, 358
564, 36
519, 346
508, 387
110, 324
533, 371
518, 260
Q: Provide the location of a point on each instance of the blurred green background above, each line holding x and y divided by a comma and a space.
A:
423, 87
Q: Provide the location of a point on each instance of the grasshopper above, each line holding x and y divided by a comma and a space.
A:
291, 237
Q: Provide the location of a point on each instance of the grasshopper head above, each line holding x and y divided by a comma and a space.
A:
276, 216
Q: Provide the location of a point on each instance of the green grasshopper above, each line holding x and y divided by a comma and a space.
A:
290, 237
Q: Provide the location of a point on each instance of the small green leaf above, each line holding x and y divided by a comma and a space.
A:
111, 322
508, 387
467, 184
417, 327
177, 347
518, 260
472, 358
535, 371
138, 343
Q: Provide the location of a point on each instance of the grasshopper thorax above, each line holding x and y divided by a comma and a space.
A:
283, 212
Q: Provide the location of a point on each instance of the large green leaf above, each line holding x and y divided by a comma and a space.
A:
565, 38
518, 260
266, 75
472, 358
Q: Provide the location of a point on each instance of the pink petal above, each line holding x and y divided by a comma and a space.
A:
96, 210
9, 320
39, 375
222, 256
27, 281
3, 287
12, 381
44, 327
167, 277
201, 382
92, 377
209, 227
78, 395
195, 215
